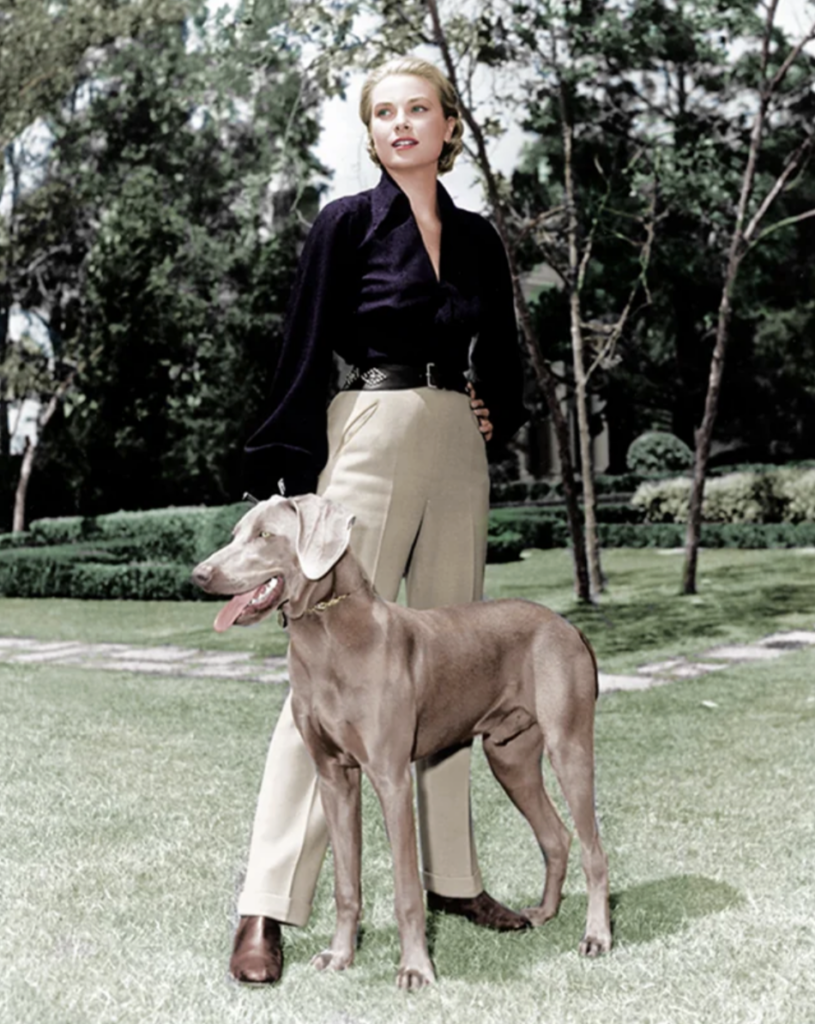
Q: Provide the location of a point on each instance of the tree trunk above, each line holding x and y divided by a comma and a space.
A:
543, 373
586, 463
29, 453
704, 438
578, 362
5, 315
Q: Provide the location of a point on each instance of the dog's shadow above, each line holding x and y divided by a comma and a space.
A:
640, 914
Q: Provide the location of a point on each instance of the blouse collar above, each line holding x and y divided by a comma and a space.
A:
387, 193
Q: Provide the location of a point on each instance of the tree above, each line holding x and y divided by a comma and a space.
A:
182, 168
46, 47
537, 55
775, 65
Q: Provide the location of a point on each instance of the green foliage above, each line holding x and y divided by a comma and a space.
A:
784, 495
796, 492
664, 501
658, 452
45, 46
171, 534
161, 241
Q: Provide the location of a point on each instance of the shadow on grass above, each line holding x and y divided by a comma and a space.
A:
639, 624
641, 914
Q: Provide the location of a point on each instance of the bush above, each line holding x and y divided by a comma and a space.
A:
162, 581
169, 534
45, 571
658, 452
782, 495
740, 498
796, 493
99, 570
14, 540
505, 548
665, 501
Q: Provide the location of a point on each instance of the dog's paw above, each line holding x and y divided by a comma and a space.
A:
595, 945
537, 916
411, 979
328, 960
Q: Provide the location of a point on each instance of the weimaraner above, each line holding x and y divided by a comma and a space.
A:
376, 686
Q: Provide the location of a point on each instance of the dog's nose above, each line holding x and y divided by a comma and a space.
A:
202, 574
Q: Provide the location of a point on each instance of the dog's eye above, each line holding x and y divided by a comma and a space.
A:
265, 533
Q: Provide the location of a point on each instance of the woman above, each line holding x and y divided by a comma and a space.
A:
411, 292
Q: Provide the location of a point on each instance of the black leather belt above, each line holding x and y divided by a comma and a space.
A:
395, 377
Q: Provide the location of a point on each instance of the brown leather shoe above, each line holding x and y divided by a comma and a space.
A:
481, 910
257, 952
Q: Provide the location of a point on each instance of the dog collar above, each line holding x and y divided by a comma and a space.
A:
322, 605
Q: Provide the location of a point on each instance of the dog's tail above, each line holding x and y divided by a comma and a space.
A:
585, 640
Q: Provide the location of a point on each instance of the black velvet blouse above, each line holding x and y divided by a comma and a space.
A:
366, 289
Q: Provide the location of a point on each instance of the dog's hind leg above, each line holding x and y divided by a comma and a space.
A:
570, 747
517, 766
340, 796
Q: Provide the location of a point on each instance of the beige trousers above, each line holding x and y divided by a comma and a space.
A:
412, 466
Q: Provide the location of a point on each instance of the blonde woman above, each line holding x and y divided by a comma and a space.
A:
413, 293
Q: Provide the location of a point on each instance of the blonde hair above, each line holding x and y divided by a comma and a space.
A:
447, 96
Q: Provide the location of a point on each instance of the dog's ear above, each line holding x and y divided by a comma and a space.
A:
323, 534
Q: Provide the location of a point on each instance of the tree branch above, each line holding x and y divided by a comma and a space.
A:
780, 182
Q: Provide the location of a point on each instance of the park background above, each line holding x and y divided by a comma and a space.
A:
162, 162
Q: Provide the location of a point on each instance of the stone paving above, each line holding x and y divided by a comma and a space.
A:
168, 660
184, 661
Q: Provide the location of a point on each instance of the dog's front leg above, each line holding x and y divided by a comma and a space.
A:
340, 795
395, 792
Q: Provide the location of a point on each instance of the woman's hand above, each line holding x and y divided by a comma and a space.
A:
481, 412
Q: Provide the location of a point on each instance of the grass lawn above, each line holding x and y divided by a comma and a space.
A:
126, 803
743, 595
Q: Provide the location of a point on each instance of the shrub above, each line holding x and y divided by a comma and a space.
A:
14, 540
665, 501
783, 495
45, 571
182, 535
658, 452
505, 548
739, 498
157, 581
796, 494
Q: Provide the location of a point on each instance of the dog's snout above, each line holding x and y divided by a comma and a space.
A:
202, 574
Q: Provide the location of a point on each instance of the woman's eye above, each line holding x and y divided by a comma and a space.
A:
383, 112
419, 106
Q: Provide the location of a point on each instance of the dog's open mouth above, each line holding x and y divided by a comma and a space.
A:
244, 609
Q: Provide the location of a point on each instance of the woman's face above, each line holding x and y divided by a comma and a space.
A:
408, 126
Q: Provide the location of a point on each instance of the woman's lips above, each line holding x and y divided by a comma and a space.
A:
404, 143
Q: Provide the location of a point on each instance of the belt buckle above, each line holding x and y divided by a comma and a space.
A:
430, 374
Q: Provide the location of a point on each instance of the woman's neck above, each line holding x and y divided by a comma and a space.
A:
420, 187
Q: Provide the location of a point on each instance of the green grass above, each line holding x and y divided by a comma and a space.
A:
743, 595
127, 800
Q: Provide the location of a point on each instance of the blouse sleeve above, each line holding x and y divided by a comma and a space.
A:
496, 356
292, 445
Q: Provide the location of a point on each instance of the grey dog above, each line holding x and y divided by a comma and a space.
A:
376, 686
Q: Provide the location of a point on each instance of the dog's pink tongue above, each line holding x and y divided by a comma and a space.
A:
227, 615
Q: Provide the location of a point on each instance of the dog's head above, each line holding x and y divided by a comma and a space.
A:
278, 551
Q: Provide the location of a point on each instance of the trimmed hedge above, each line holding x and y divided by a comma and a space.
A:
782, 495
117, 558
657, 451
530, 491
15, 540
167, 534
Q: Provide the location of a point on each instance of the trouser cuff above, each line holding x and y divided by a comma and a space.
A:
280, 908
460, 887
